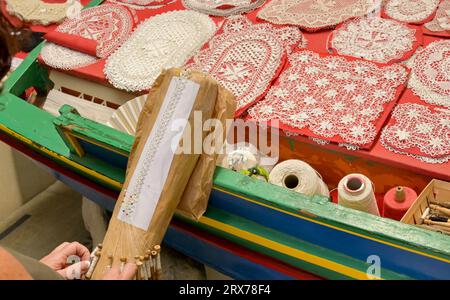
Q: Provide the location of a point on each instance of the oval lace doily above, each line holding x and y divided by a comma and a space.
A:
143, 4
418, 132
411, 11
223, 7
441, 21
245, 58
430, 73
314, 14
375, 39
163, 41
108, 24
333, 97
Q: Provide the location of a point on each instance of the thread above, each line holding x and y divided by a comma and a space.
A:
240, 159
298, 176
397, 201
356, 191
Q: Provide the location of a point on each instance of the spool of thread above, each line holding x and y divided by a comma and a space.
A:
298, 176
356, 191
397, 201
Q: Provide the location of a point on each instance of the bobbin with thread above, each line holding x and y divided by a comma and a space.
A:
397, 201
298, 176
356, 191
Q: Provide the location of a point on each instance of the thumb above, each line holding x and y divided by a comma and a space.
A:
76, 270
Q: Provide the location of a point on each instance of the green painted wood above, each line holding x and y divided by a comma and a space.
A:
279, 237
376, 227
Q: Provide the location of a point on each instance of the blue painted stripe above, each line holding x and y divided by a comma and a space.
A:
394, 259
218, 258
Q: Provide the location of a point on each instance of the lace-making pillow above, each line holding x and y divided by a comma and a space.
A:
430, 73
107, 26
411, 11
376, 39
420, 132
332, 98
246, 58
222, 7
161, 42
314, 14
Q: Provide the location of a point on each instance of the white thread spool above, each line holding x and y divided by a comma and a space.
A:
298, 176
356, 191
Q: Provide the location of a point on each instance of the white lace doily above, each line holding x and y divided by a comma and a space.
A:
109, 25
37, 11
419, 132
331, 96
314, 14
213, 7
245, 57
411, 11
441, 20
375, 39
430, 73
143, 4
163, 41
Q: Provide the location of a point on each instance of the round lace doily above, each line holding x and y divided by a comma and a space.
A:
430, 73
163, 41
411, 11
375, 39
143, 4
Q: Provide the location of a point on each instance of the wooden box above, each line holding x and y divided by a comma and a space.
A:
436, 191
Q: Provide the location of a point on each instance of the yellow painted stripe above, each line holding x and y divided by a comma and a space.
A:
281, 248
331, 226
62, 158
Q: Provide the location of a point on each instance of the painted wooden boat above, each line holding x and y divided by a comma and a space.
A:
251, 230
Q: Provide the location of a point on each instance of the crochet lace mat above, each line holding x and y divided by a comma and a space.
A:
411, 11
314, 14
212, 7
331, 96
38, 12
374, 39
419, 132
441, 21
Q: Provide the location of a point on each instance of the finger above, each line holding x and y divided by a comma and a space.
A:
76, 270
60, 247
112, 273
77, 249
128, 272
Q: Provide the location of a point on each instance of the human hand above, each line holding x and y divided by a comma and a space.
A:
114, 273
58, 260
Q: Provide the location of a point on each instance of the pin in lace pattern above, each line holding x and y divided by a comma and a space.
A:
246, 58
109, 25
161, 42
332, 98
411, 11
223, 7
314, 14
376, 39
430, 73
418, 131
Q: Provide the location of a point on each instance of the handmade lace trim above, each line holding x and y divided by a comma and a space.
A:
212, 7
331, 96
417, 127
245, 57
430, 73
109, 24
314, 14
411, 11
441, 21
375, 39
163, 41
38, 12
143, 4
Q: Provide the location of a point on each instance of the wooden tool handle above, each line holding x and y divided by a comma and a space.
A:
443, 224
443, 210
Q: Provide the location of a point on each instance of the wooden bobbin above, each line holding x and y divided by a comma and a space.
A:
123, 261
